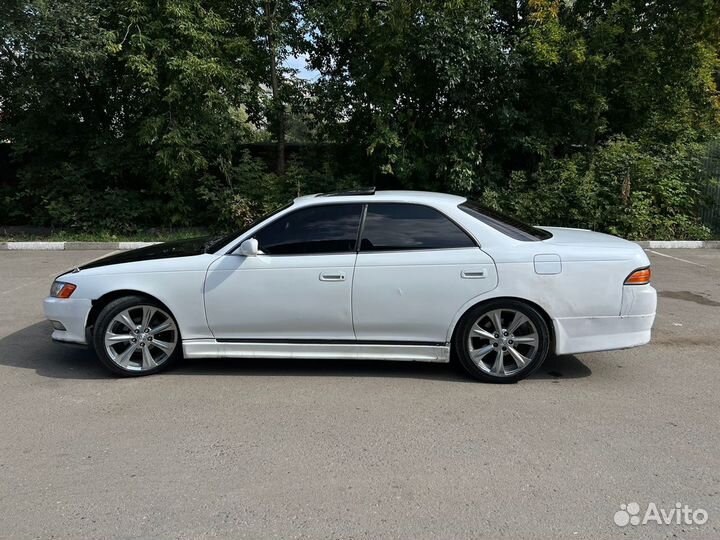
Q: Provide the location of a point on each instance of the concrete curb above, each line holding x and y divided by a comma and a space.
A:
71, 246
675, 244
112, 246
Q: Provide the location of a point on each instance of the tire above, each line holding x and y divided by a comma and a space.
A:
122, 343
490, 356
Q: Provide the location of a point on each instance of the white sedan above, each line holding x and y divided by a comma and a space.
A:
391, 275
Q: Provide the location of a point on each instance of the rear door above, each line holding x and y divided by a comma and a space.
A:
416, 268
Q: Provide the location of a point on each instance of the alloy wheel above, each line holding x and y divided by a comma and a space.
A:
140, 338
502, 342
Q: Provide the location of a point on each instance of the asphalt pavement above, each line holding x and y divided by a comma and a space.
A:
360, 450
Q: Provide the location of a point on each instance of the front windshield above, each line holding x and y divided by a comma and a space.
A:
214, 244
509, 226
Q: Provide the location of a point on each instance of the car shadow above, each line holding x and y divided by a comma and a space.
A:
32, 348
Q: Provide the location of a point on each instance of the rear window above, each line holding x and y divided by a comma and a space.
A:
403, 226
509, 226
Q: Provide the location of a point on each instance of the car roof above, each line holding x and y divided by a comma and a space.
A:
419, 197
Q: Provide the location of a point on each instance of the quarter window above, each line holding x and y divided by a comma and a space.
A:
509, 226
313, 230
393, 227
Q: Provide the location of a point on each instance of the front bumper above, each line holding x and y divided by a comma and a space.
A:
631, 328
72, 313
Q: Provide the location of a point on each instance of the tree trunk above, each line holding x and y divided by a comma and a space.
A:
278, 106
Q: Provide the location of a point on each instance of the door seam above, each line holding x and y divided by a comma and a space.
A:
352, 296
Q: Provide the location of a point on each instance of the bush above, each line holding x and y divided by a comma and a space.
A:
238, 195
116, 210
622, 189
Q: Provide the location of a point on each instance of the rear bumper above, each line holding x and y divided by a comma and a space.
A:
629, 329
72, 314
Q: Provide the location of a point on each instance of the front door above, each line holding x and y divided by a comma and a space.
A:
298, 287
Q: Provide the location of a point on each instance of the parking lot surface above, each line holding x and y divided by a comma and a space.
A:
337, 449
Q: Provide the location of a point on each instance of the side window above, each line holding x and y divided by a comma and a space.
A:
410, 226
312, 230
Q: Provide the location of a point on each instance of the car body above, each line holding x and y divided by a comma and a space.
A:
370, 275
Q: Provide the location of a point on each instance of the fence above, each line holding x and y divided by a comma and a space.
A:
710, 212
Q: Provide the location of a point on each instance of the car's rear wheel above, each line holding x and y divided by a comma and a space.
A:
135, 335
502, 341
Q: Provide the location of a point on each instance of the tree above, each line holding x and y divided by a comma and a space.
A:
278, 34
187, 76
57, 98
470, 95
593, 69
147, 105
426, 87
121, 98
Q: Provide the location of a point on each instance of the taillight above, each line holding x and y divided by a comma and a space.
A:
639, 277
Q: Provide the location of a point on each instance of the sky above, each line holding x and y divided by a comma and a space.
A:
299, 62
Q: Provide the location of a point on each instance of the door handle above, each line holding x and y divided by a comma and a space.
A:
332, 276
472, 274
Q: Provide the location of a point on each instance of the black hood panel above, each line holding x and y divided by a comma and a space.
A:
166, 250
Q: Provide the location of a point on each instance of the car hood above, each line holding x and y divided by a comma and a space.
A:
165, 250
584, 237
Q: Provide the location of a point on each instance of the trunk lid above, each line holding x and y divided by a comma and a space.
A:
585, 238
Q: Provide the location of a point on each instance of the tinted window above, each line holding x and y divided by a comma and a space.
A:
409, 226
318, 229
509, 226
213, 245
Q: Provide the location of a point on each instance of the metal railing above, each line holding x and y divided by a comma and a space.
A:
710, 212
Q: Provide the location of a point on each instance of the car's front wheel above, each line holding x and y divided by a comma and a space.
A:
502, 341
135, 335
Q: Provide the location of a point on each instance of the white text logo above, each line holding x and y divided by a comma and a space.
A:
629, 514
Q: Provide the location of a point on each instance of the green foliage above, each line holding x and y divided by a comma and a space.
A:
133, 113
179, 56
241, 192
77, 212
624, 189
558, 102
247, 190
423, 86
116, 98
595, 70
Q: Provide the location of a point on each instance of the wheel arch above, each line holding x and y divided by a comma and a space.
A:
105, 299
537, 307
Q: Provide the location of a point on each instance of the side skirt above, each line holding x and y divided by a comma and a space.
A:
210, 348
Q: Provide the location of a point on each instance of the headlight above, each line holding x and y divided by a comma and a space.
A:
60, 289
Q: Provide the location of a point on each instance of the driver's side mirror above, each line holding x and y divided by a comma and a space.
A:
249, 248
